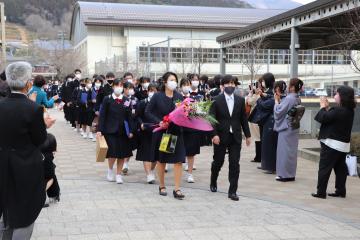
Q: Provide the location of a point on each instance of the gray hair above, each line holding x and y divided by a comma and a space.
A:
18, 74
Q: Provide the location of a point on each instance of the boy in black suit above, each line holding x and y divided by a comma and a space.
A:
229, 111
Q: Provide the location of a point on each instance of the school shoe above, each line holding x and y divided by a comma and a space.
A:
190, 179
85, 135
166, 168
94, 139
186, 167
194, 167
125, 169
150, 179
110, 176
119, 179
90, 135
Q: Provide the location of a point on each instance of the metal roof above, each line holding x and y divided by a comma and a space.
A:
278, 18
98, 13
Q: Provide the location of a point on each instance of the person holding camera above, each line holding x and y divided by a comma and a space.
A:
288, 135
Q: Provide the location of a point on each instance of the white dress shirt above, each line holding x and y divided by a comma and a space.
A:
230, 105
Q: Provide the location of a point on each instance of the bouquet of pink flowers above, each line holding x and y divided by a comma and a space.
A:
191, 114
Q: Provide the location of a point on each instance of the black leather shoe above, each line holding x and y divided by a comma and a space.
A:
269, 172
178, 195
255, 160
213, 188
233, 196
259, 168
280, 179
337, 195
162, 191
316, 195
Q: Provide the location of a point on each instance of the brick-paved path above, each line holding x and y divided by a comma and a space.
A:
92, 208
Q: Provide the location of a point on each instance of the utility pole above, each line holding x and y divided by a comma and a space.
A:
3, 40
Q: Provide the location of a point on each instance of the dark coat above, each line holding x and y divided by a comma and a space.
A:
336, 123
22, 185
4, 89
104, 91
238, 119
113, 115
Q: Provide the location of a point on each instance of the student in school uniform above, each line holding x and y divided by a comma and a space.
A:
142, 92
145, 128
97, 87
114, 114
66, 96
161, 104
129, 92
75, 106
105, 90
191, 137
86, 114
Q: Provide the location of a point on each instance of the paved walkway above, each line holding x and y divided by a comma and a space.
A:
91, 208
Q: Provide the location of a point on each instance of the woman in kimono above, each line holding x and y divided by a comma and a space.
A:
288, 137
265, 106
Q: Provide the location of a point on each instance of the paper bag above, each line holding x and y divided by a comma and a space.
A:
168, 143
101, 149
351, 162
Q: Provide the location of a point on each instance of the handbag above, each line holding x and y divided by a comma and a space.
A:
168, 143
351, 162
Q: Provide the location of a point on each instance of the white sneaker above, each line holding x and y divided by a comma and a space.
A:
85, 135
90, 135
190, 179
150, 179
75, 129
194, 167
186, 167
166, 168
94, 139
110, 175
119, 179
81, 130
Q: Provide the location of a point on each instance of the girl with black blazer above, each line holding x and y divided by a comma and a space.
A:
192, 138
161, 104
335, 134
145, 128
129, 92
116, 125
86, 105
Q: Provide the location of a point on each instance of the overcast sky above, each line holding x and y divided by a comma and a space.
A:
304, 1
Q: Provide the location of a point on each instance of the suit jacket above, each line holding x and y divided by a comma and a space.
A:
104, 91
113, 115
22, 185
238, 120
336, 123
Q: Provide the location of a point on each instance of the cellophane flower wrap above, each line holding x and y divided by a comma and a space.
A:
191, 114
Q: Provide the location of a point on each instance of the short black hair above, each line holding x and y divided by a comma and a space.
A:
347, 97
165, 77
128, 74
99, 78
269, 80
194, 75
77, 70
153, 86
204, 78
39, 81
117, 81
95, 76
110, 75
227, 79
128, 85
50, 144
145, 79
184, 81
217, 80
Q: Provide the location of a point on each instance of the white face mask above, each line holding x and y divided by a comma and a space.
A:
97, 85
186, 89
195, 84
146, 85
263, 84
131, 92
88, 86
118, 91
56, 83
78, 75
150, 94
171, 85
129, 80
69, 79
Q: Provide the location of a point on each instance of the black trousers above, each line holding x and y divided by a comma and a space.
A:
332, 159
234, 149
67, 113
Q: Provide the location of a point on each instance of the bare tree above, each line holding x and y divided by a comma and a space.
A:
250, 53
348, 34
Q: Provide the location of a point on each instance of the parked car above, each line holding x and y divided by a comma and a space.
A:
309, 92
320, 92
